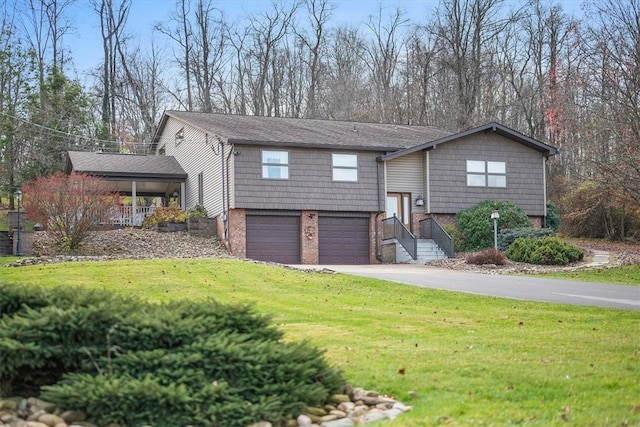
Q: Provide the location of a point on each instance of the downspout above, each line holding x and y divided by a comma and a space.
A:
224, 200
544, 189
428, 181
380, 212
220, 152
228, 189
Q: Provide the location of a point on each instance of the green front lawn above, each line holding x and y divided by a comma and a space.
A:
466, 359
626, 275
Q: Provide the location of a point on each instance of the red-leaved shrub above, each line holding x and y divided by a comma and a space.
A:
488, 256
69, 206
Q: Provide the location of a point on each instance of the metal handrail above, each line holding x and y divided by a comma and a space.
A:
393, 228
430, 228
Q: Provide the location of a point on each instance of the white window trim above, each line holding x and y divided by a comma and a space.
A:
335, 168
283, 166
473, 172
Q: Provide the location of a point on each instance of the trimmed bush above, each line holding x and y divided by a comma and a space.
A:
508, 236
129, 362
161, 214
477, 225
459, 241
546, 251
488, 256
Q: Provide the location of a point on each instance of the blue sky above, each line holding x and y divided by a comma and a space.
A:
85, 43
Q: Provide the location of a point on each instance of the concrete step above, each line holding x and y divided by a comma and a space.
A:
428, 251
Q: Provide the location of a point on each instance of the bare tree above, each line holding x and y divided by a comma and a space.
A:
318, 12
347, 94
44, 26
265, 32
242, 69
112, 20
141, 95
382, 58
418, 76
464, 30
207, 53
181, 34
613, 46
15, 65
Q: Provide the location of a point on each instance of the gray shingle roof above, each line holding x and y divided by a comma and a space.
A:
546, 149
238, 129
123, 166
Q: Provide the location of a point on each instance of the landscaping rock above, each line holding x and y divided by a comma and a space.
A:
51, 420
347, 414
73, 416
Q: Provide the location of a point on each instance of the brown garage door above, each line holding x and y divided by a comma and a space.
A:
343, 240
273, 238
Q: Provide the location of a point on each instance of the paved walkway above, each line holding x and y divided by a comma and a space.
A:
600, 259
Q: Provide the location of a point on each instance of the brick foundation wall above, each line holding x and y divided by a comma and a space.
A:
451, 219
537, 221
237, 238
415, 223
309, 243
389, 253
309, 239
375, 241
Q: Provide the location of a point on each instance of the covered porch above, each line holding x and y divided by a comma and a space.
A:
136, 176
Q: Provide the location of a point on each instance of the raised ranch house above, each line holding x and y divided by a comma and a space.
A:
336, 192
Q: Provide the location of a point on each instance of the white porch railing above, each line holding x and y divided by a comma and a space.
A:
124, 215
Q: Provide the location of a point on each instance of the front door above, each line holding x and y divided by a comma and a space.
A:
399, 204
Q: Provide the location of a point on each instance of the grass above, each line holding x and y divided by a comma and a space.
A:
469, 359
625, 275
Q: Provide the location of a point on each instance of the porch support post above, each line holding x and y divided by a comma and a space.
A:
183, 196
134, 204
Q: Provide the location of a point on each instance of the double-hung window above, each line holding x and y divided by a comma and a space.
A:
275, 164
344, 167
481, 173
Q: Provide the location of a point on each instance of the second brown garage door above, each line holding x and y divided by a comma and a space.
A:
343, 240
273, 238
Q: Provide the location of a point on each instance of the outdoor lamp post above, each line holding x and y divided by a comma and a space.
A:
494, 216
18, 194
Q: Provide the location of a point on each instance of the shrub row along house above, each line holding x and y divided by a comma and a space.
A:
328, 192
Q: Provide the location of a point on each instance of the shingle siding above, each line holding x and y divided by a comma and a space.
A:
448, 175
310, 185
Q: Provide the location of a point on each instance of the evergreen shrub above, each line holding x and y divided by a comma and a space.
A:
477, 225
459, 241
125, 361
553, 217
547, 251
508, 236
198, 211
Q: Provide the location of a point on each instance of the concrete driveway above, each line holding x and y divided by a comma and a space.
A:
530, 288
